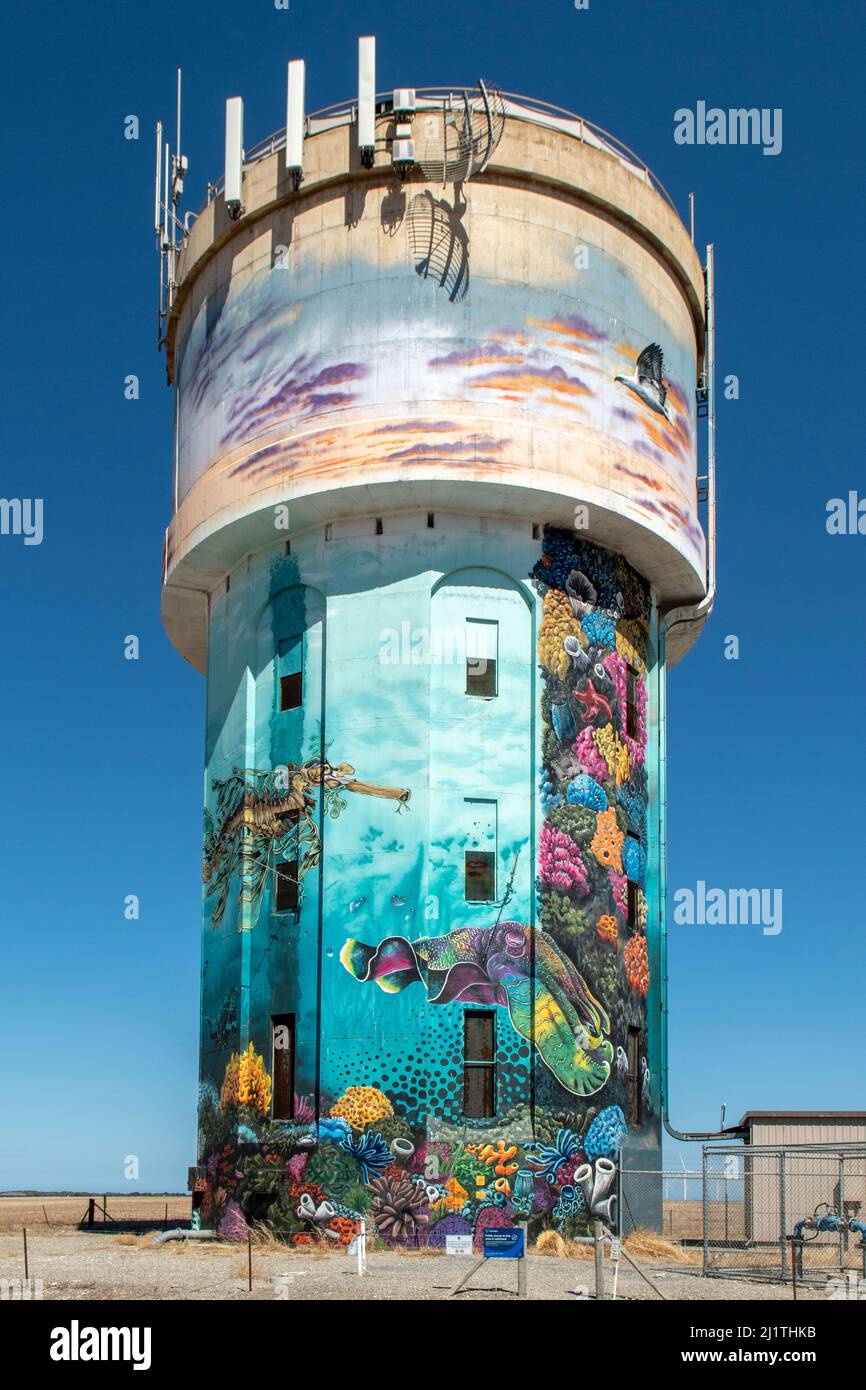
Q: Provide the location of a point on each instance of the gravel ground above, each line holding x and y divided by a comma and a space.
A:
85, 1266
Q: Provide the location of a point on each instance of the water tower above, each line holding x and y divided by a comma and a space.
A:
438, 358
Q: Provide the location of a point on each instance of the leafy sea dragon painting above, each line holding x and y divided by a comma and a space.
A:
265, 816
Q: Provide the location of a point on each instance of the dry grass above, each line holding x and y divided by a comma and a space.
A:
640, 1244
551, 1243
181, 1248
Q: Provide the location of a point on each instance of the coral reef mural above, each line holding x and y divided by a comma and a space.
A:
377, 1129
593, 647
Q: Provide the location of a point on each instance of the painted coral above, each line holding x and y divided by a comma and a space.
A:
618, 883
607, 930
606, 1135
586, 791
229, 1091
614, 752
399, 1206
233, 1225
361, 1106
634, 860
587, 751
246, 1082
607, 841
560, 863
637, 965
557, 623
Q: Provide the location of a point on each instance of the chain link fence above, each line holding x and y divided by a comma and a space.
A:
759, 1213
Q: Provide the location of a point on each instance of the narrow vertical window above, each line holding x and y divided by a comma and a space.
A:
482, 644
479, 1063
286, 878
290, 658
631, 679
291, 691
634, 1076
480, 876
283, 1066
631, 904
479, 855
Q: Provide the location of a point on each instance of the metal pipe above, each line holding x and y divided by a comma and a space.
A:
689, 613
158, 190
182, 1233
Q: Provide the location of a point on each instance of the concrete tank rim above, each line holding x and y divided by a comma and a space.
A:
218, 544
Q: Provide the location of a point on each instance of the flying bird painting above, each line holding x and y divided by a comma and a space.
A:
647, 382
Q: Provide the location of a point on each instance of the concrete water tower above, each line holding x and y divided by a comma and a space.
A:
435, 356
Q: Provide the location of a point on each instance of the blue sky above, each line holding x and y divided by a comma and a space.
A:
102, 758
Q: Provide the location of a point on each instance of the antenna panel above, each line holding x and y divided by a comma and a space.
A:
295, 116
234, 170
366, 93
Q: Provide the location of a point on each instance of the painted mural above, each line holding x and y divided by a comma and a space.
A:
511, 965
264, 816
304, 369
377, 1130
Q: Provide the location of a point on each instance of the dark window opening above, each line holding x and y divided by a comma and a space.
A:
480, 876
479, 1064
228, 582
631, 904
634, 1076
288, 547
291, 691
536, 531
431, 520
379, 527
283, 1066
286, 882
482, 645
329, 531
631, 702
481, 677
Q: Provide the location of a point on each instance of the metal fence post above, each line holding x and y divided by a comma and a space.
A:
783, 1215
599, 1260
843, 1232
705, 1207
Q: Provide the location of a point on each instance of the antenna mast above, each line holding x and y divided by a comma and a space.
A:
168, 227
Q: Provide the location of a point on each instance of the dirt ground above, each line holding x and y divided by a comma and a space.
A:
45, 1213
80, 1265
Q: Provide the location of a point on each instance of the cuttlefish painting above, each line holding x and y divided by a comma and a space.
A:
496, 965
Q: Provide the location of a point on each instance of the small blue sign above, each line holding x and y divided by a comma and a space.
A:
504, 1243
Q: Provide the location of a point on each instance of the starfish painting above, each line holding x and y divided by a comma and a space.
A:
593, 703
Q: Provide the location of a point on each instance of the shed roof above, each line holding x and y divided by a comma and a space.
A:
757, 1116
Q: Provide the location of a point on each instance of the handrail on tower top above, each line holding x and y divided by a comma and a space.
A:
518, 106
